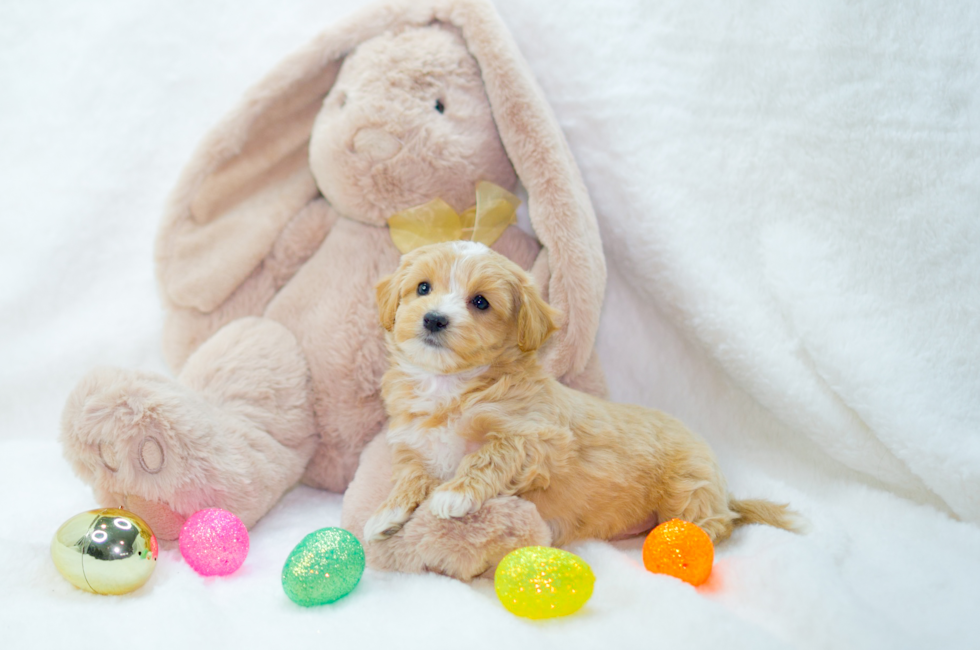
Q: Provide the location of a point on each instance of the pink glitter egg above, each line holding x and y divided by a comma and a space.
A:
214, 542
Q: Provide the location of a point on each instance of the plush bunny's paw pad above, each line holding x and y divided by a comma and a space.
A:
147, 453
385, 523
449, 504
112, 427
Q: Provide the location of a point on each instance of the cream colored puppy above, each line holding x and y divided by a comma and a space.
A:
473, 416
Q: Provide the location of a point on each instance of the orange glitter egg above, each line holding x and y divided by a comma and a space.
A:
680, 549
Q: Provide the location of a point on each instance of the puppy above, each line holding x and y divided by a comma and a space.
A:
473, 415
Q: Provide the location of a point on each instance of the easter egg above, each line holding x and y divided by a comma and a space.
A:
680, 549
214, 542
105, 551
324, 567
541, 582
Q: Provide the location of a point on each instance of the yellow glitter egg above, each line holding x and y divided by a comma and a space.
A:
540, 582
680, 549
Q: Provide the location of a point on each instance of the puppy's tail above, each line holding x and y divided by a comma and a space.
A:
759, 511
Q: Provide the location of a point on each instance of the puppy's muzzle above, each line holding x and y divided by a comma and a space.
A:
435, 322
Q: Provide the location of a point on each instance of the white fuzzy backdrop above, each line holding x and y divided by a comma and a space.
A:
789, 198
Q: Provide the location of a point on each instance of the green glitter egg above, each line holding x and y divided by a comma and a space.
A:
540, 582
323, 568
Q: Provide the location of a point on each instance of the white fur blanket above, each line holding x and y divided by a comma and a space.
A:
789, 195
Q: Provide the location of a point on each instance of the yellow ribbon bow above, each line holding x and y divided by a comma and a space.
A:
436, 221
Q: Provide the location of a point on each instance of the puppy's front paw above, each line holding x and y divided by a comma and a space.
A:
385, 523
447, 504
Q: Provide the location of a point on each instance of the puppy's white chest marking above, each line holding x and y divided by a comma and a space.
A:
434, 391
441, 448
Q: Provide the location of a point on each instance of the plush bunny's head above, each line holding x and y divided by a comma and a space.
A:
407, 120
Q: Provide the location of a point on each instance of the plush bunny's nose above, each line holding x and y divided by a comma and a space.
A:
376, 144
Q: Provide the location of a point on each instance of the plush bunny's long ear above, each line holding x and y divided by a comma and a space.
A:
558, 203
251, 173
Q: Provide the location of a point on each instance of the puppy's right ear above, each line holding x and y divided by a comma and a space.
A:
388, 298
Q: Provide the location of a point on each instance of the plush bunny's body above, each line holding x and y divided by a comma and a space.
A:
268, 258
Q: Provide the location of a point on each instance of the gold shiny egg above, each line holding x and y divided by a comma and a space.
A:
105, 551
541, 582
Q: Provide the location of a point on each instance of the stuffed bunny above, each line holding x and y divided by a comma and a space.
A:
268, 256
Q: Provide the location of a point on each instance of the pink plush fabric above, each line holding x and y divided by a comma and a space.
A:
267, 259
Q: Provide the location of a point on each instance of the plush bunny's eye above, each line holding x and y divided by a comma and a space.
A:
423, 288
440, 106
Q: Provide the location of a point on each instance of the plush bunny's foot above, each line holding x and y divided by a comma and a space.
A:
463, 548
166, 449
131, 435
162, 450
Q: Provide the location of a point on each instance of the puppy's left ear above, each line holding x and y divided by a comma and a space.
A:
535, 319
388, 298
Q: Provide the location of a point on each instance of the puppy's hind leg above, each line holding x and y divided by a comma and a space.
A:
699, 495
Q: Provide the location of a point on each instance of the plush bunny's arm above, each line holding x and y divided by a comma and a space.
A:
186, 328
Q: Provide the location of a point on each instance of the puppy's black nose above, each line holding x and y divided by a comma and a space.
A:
435, 321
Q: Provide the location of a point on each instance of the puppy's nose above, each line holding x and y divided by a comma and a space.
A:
435, 321
376, 144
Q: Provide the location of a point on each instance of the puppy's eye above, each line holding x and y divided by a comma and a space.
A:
423, 288
480, 303
440, 106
